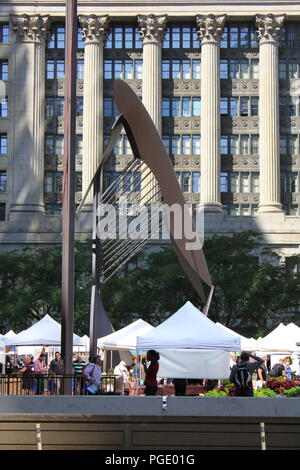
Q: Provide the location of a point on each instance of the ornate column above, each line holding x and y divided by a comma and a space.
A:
152, 30
29, 115
269, 28
210, 31
94, 32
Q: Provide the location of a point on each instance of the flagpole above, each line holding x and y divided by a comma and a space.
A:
68, 202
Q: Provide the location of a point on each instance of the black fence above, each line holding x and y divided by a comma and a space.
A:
37, 384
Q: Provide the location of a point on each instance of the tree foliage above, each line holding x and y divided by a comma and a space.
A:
252, 287
30, 286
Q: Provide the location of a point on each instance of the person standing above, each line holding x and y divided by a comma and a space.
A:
56, 368
78, 365
151, 372
278, 370
180, 387
92, 374
241, 374
40, 369
287, 362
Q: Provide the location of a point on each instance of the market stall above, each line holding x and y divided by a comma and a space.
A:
191, 345
247, 344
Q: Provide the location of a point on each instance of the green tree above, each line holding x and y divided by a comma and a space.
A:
251, 286
30, 286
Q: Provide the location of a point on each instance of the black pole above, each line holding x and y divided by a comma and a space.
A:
68, 214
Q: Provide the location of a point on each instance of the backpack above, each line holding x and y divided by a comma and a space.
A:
243, 377
274, 372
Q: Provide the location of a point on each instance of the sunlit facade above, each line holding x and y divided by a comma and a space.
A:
221, 82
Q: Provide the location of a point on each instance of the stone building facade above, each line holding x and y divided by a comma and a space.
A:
221, 81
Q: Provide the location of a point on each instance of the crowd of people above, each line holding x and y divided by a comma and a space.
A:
247, 372
244, 366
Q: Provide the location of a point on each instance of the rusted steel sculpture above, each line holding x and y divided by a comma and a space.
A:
147, 146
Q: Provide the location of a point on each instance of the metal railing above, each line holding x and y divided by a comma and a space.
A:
37, 384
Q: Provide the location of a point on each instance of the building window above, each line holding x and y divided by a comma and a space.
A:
289, 182
181, 37
289, 36
55, 68
53, 182
125, 69
3, 144
184, 106
4, 32
224, 181
289, 68
181, 69
109, 107
3, 70
3, 181
57, 40
54, 145
124, 37
196, 182
185, 144
239, 68
243, 144
3, 107
243, 36
2, 211
287, 107
80, 69
289, 144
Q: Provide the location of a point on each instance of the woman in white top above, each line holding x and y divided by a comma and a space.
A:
92, 373
121, 371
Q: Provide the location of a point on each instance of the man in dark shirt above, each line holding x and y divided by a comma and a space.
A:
251, 366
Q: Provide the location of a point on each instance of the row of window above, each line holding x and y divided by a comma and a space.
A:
185, 69
190, 182
54, 182
176, 37
55, 106
178, 144
55, 68
230, 182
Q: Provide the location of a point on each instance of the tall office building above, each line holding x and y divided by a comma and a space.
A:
221, 81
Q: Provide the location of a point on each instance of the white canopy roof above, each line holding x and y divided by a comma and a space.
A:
282, 339
45, 332
247, 344
10, 334
125, 338
188, 328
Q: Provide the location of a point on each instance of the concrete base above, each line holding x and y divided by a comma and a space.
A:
147, 423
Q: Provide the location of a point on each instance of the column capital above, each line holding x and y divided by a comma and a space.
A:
94, 28
210, 28
31, 27
269, 27
152, 28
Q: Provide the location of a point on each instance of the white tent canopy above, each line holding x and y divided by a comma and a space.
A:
10, 334
188, 328
125, 338
46, 332
281, 339
247, 344
191, 345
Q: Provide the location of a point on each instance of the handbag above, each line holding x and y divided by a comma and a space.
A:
93, 388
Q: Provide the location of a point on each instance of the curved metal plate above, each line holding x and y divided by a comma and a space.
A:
152, 152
